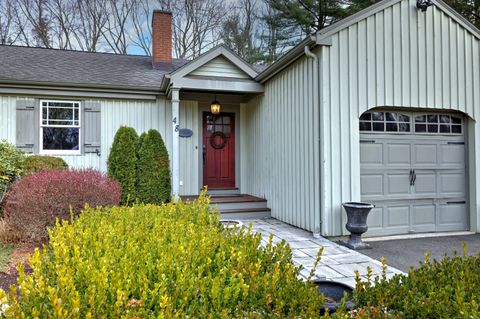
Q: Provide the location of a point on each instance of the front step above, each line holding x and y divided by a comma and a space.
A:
238, 206
223, 191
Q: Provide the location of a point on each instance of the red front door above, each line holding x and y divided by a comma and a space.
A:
219, 150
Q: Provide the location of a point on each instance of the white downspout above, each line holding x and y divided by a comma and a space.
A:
318, 220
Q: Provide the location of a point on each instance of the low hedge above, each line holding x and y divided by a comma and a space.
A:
11, 161
449, 288
34, 202
169, 261
37, 163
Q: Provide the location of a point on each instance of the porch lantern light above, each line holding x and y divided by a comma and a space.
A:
215, 106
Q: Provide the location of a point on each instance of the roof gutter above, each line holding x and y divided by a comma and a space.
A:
287, 59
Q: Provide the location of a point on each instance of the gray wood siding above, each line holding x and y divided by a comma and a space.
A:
220, 67
189, 150
399, 57
280, 146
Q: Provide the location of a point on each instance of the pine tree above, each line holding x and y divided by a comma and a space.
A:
122, 162
153, 169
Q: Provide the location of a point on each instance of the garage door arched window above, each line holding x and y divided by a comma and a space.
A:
385, 122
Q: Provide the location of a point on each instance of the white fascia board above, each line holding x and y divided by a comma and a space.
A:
213, 84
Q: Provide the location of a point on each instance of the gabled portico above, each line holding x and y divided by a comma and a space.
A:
217, 72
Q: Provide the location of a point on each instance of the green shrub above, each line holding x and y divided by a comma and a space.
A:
449, 288
11, 160
153, 169
170, 261
122, 162
38, 163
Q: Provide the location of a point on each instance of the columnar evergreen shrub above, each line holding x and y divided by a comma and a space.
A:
122, 162
38, 163
34, 202
170, 261
449, 288
11, 161
153, 169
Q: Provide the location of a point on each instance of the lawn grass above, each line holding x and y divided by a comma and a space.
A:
5, 254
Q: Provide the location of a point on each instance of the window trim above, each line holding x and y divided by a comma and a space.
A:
79, 126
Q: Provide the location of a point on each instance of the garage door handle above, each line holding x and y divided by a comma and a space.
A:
459, 202
412, 177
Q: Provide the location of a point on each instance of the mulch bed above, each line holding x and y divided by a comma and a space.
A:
10, 274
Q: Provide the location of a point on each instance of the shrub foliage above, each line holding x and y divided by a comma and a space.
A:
449, 288
122, 162
11, 160
34, 202
38, 163
170, 261
153, 169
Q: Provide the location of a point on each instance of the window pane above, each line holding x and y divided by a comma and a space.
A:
55, 138
210, 128
456, 120
404, 127
226, 120
457, 129
433, 119
444, 119
432, 128
392, 127
44, 114
377, 116
391, 117
420, 118
366, 116
421, 128
444, 128
365, 126
209, 119
403, 118
226, 129
60, 114
378, 127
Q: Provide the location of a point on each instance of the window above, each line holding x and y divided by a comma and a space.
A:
438, 123
385, 122
60, 127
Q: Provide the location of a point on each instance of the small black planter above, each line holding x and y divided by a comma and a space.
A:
357, 214
334, 292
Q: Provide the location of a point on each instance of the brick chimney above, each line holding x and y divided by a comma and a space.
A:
162, 36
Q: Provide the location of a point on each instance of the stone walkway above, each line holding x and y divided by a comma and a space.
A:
338, 262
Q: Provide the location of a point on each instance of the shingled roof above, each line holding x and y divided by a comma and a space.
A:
77, 68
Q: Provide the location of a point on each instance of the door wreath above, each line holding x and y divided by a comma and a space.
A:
213, 137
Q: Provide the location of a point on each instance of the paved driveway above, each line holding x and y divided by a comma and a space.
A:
404, 253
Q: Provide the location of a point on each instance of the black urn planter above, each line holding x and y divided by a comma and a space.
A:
357, 214
334, 293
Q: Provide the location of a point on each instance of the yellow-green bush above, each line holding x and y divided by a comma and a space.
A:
170, 261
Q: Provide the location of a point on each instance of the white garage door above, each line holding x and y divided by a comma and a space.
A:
413, 170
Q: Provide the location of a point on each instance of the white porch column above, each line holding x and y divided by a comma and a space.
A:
175, 143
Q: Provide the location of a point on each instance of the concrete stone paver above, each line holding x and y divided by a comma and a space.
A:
338, 263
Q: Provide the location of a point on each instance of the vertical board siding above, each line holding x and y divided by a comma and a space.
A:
280, 146
7, 118
398, 57
189, 150
220, 67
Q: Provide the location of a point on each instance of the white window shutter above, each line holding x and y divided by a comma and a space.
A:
91, 127
28, 125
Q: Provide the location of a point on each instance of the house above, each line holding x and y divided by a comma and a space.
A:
380, 107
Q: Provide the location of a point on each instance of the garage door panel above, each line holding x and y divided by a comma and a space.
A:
423, 215
371, 154
398, 154
372, 185
451, 216
451, 184
398, 184
398, 216
424, 154
375, 218
452, 154
425, 183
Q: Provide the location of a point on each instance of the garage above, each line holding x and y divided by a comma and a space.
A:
413, 168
